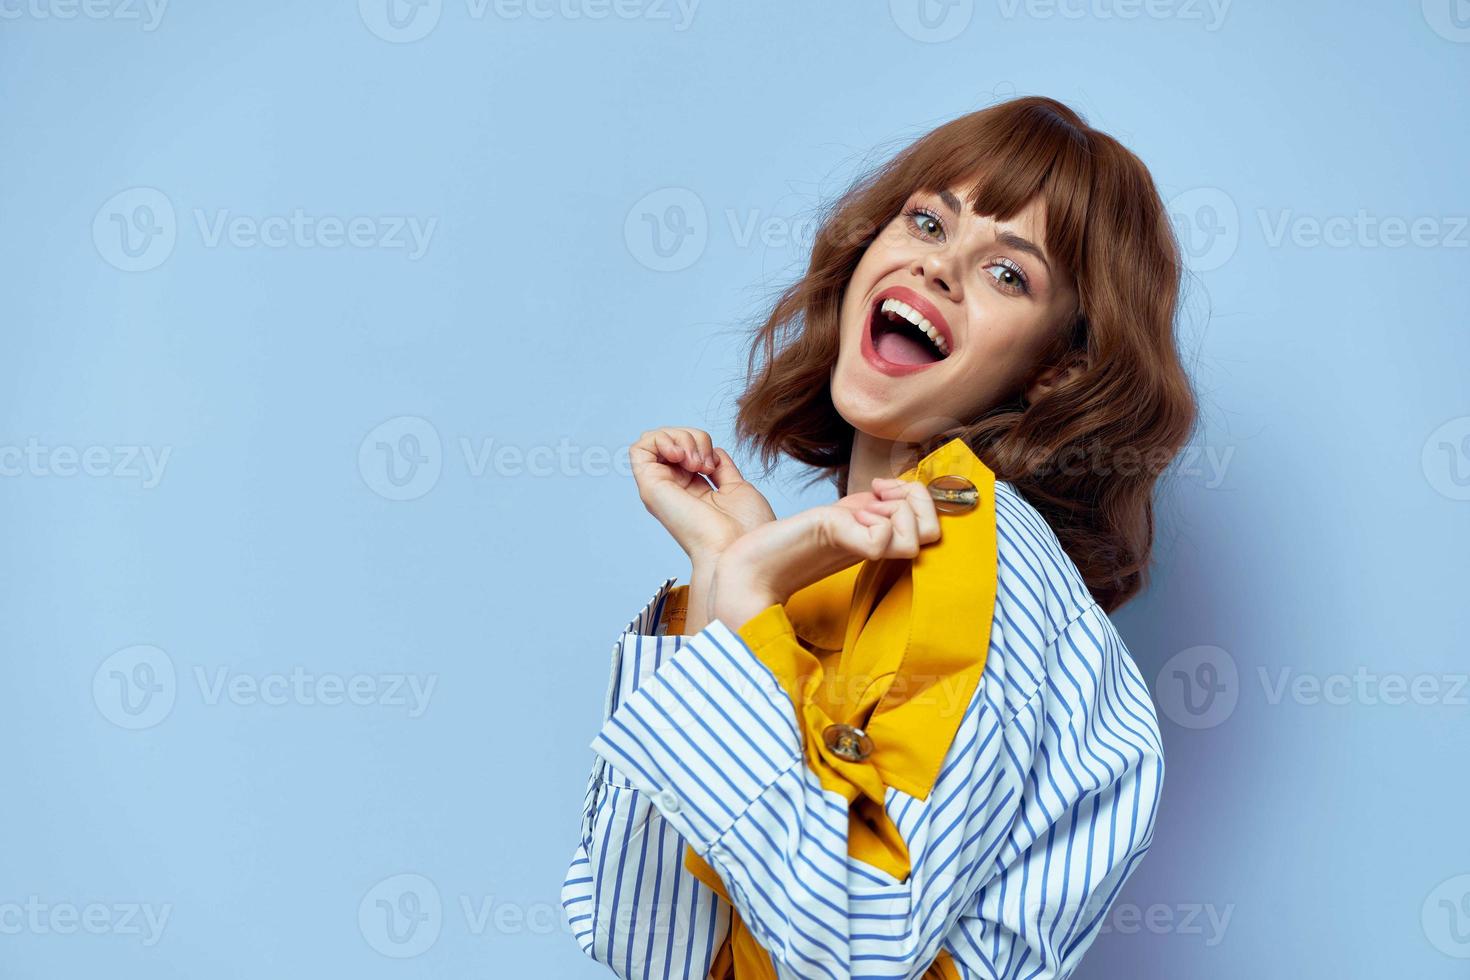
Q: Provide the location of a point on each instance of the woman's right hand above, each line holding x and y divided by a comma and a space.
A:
769, 565
669, 466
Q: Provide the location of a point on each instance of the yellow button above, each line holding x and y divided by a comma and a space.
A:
953, 494
847, 742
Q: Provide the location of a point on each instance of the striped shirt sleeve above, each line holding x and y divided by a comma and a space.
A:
626, 898
1085, 817
712, 741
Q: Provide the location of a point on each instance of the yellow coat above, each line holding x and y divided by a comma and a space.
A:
895, 648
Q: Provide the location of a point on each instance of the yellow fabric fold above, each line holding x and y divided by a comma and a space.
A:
872, 837
896, 648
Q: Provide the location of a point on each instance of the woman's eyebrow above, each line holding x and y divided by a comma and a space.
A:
1005, 237
1023, 245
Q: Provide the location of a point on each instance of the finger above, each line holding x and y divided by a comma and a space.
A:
725, 472
922, 502
666, 448
906, 540
688, 452
857, 501
646, 446
671, 456
867, 535
905, 543
650, 453
704, 448
891, 489
674, 453
679, 437
701, 449
703, 457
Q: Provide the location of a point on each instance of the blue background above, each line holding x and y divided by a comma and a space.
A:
610, 195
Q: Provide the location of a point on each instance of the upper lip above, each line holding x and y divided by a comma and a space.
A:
926, 309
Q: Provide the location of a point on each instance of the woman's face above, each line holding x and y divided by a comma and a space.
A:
989, 293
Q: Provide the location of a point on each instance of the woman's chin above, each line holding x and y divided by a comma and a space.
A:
884, 422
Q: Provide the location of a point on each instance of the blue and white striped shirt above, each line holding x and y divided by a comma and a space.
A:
1044, 805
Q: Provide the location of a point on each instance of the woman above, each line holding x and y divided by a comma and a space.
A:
897, 735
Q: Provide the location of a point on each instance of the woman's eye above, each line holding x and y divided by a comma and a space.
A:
1008, 277
927, 224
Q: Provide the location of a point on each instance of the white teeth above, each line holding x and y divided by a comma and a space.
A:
912, 315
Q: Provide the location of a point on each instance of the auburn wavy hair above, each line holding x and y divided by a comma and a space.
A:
1087, 454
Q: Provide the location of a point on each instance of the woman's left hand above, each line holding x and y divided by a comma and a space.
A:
768, 564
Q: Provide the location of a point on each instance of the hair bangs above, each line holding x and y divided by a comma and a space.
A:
1009, 157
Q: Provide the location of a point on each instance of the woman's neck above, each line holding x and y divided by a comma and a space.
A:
873, 457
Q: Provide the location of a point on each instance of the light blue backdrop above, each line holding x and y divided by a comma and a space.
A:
327, 326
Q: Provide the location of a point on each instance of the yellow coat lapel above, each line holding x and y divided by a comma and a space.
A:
953, 584
944, 627
948, 632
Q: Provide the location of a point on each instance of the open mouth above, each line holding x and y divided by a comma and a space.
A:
902, 335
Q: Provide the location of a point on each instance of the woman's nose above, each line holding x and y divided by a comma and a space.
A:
937, 268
